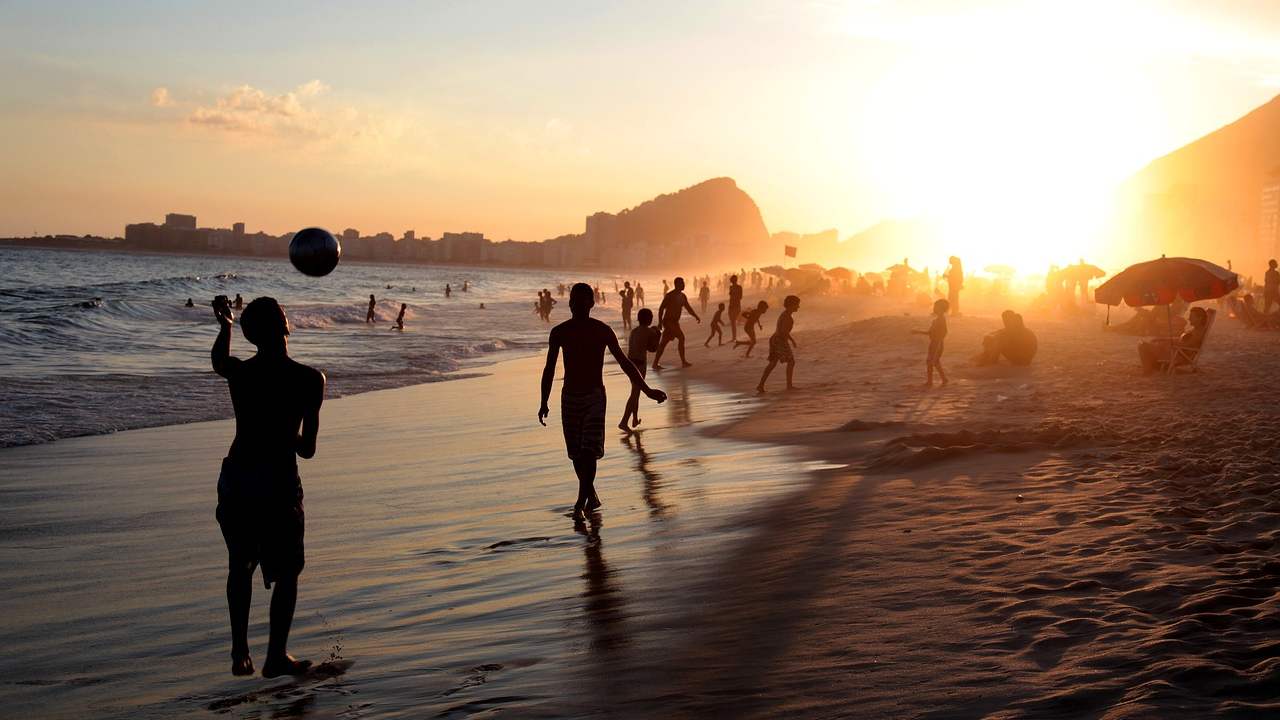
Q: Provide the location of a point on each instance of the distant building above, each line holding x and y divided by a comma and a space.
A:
238, 228
350, 234
180, 222
1269, 222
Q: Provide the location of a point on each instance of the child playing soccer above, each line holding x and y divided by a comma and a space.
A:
642, 341
716, 324
937, 332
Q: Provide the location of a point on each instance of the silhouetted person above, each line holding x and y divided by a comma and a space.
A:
751, 320
673, 303
582, 400
239, 304
639, 294
277, 406
1157, 354
955, 281
190, 303
627, 296
735, 307
448, 291
781, 344
937, 332
373, 303
1014, 341
400, 317
1271, 287
704, 296
642, 341
717, 322
466, 286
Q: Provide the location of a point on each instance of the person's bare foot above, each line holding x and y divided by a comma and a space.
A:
635, 421
594, 504
286, 665
623, 427
578, 515
792, 387
759, 389
656, 366
242, 666
686, 364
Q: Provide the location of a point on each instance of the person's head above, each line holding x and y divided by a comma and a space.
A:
626, 284
581, 299
733, 279
1009, 318
762, 306
941, 306
264, 323
791, 303
954, 260
678, 283
370, 297
1272, 264
238, 294
721, 306
645, 317
403, 306
1199, 317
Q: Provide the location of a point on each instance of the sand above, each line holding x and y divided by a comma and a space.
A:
1072, 539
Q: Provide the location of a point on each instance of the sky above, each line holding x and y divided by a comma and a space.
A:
518, 119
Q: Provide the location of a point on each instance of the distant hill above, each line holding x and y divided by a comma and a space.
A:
711, 222
1204, 199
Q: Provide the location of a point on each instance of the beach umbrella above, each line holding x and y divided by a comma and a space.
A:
1085, 270
1159, 282
841, 273
775, 270
1002, 270
812, 267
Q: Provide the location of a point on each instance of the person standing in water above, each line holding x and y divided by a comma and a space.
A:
716, 324
642, 341
400, 317
448, 291
735, 307
639, 294
955, 281
673, 303
937, 332
781, 344
582, 400
373, 303
277, 407
751, 320
239, 304
627, 297
704, 296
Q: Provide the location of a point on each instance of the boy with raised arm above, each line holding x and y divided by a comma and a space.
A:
277, 405
582, 400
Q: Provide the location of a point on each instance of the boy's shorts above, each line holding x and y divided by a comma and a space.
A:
262, 520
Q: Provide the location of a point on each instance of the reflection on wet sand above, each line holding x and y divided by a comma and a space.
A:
603, 605
653, 482
679, 408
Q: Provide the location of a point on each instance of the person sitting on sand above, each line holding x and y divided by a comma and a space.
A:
781, 343
368, 316
582, 401
673, 303
717, 325
277, 406
642, 341
1015, 342
937, 332
1155, 354
751, 320
400, 317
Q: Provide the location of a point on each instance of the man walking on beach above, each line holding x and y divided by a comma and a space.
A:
277, 406
628, 297
582, 400
735, 307
673, 303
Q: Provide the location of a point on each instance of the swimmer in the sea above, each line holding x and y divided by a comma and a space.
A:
190, 303
400, 317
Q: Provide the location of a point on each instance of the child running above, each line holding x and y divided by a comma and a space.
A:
750, 321
937, 332
717, 323
643, 340
781, 343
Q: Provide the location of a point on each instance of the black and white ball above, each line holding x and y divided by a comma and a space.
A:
314, 252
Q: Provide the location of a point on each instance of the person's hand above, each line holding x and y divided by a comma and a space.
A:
543, 412
222, 311
656, 395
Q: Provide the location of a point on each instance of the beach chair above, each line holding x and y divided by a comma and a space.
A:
1186, 359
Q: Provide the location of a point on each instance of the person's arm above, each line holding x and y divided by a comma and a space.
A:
689, 307
220, 355
306, 445
662, 312
629, 368
548, 376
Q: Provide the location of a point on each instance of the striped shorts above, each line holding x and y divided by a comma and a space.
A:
582, 417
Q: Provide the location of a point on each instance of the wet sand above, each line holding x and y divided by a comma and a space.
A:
440, 559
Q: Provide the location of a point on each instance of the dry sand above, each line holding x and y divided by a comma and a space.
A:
1072, 539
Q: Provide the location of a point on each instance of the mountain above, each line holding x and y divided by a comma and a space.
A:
1205, 199
713, 223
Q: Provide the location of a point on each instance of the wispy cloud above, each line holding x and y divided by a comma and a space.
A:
160, 97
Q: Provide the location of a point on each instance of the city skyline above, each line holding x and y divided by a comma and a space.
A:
832, 114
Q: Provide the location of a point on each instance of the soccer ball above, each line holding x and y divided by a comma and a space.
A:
314, 252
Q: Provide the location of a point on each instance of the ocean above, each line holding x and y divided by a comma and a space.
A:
98, 342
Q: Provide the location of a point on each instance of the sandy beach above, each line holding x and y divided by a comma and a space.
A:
1071, 539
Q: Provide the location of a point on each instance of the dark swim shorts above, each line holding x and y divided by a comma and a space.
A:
260, 513
582, 416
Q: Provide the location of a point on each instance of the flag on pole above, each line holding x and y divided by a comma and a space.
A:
789, 250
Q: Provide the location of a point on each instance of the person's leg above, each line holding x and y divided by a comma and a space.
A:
239, 596
941, 373
791, 370
662, 346
733, 327
284, 598
631, 409
585, 467
928, 370
680, 347
765, 376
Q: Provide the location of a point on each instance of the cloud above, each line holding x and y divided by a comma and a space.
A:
160, 97
298, 114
